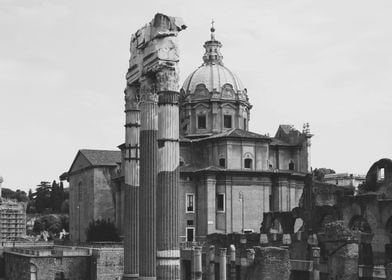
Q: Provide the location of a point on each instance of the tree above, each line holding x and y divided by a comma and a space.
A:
42, 196
30, 194
65, 207
56, 196
102, 230
18, 195
52, 223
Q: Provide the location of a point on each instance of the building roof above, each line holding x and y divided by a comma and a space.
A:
102, 157
235, 133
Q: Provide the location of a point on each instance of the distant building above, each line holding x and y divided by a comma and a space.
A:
90, 190
12, 218
345, 179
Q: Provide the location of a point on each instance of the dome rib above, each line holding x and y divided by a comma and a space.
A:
212, 76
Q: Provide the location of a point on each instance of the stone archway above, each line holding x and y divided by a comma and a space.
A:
361, 225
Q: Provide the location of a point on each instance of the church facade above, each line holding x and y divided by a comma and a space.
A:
229, 176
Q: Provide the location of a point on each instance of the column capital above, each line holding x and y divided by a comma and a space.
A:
167, 79
222, 252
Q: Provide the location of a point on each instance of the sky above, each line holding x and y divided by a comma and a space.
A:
63, 65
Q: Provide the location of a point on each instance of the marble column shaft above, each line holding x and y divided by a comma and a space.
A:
148, 182
168, 251
222, 263
131, 174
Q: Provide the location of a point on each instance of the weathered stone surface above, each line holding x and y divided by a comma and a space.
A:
388, 271
271, 263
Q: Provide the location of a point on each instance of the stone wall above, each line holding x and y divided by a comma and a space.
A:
80, 211
107, 263
20, 267
95, 184
270, 263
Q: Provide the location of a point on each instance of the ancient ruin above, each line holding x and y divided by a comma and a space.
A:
151, 107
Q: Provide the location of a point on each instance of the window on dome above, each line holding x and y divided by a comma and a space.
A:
244, 124
201, 122
227, 121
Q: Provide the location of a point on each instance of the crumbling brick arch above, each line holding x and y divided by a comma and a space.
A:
359, 223
276, 226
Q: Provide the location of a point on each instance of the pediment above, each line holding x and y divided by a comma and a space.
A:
80, 162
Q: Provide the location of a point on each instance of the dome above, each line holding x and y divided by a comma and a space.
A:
212, 98
212, 73
214, 77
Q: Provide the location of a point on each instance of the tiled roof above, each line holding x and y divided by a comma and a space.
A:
236, 133
286, 128
102, 157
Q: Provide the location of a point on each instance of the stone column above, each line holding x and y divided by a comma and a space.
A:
148, 178
246, 261
211, 267
168, 253
233, 271
222, 263
315, 274
197, 265
131, 174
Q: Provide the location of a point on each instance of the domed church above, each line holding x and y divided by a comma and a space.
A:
229, 176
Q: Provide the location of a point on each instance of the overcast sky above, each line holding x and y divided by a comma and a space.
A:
63, 65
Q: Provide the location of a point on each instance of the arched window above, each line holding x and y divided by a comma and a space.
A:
33, 272
248, 163
276, 227
291, 165
222, 162
359, 223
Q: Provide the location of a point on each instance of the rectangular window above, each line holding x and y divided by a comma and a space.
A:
220, 202
190, 203
227, 121
201, 122
245, 124
190, 234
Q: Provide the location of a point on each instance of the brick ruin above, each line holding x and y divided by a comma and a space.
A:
333, 234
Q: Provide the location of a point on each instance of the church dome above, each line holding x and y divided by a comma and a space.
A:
214, 77
212, 99
212, 74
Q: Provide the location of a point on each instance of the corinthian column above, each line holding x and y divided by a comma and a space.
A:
168, 253
148, 178
131, 174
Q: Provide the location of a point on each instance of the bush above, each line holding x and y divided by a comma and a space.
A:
102, 230
51, 223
